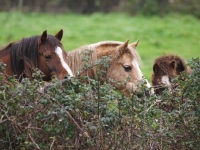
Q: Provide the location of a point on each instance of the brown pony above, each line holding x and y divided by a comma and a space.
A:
164, 69
125, 62
44, 52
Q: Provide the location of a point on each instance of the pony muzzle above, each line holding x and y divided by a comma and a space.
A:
140, 91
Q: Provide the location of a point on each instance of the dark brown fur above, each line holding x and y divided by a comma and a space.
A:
170, 65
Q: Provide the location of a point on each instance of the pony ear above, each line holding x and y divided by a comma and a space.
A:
155, 68
59, 35
43, 37
123, 47
173, 64
134, 45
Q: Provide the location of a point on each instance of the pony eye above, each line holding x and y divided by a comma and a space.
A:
47, 57
127, 68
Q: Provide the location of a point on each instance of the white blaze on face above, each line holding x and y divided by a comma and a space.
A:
136, 66
64, 64
165, 80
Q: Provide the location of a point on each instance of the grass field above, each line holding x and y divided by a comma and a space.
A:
174, 33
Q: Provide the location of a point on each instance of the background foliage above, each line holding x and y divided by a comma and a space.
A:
147, 7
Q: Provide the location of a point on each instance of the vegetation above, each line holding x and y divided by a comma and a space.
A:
72, 115
145, 7
173, 33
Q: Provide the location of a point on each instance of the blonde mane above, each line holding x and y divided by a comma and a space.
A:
76, 63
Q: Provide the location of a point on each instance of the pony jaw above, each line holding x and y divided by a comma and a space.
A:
58, 51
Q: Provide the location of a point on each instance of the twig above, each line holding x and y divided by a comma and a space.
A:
34, 141
52, 143
150, 107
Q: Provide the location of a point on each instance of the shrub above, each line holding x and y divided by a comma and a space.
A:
70, 114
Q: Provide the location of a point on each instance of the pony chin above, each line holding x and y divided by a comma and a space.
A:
131, 87
60, 76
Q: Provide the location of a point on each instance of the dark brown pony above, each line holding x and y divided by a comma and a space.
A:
164, 69
44, 52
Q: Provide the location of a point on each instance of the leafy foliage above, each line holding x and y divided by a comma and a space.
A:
146, 7
72, 114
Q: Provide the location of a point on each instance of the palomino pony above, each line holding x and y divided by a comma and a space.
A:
124, 63
164, 69
44, 52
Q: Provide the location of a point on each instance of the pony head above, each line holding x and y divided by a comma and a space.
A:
164, 69
126, 65
40, 51
52, 56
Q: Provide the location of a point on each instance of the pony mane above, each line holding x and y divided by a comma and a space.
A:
24, 54
76, 62
166, 59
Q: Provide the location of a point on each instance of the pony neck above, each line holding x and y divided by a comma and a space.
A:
76, 63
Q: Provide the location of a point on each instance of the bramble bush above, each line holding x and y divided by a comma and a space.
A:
70, 114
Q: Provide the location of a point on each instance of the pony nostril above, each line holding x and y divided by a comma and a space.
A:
139, 95
66, 77
146, 92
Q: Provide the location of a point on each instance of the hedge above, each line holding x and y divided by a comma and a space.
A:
72, 114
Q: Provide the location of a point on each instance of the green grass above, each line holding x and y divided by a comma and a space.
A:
174, 33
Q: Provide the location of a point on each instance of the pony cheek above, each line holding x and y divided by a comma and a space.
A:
116, 75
